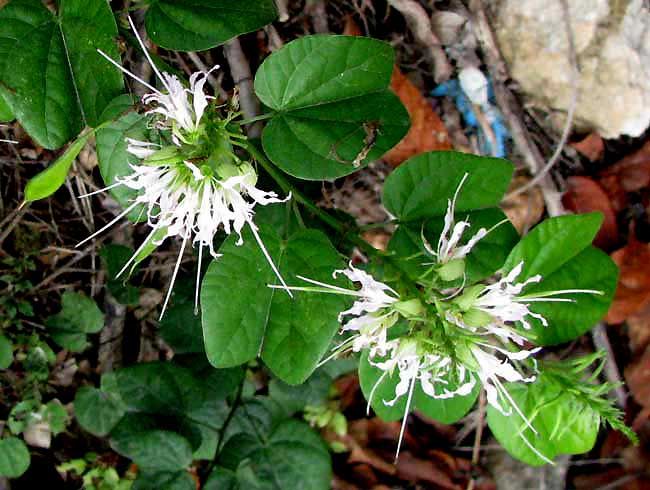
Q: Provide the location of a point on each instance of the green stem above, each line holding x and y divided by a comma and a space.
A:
261, 117
349, 233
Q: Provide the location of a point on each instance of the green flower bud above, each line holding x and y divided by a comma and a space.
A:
477, 318
466, 300
409, 308
452, 270
167, 155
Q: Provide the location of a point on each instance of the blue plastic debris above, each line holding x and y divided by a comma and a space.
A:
453, 89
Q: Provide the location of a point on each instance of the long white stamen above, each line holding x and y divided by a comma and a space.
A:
268, 258
406, 414
330, 286
146, 53
198, 278
127, 72
99, 191
111, 223
9, 141
504, 392
136, 253
372, 392
171, 284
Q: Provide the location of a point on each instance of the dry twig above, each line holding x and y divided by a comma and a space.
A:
420, 24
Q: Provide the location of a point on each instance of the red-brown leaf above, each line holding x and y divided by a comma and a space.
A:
584, 195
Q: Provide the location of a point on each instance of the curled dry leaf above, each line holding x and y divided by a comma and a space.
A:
415, 470
592, 147
633, 290
584, 195
427, 132
526, 209
633, 171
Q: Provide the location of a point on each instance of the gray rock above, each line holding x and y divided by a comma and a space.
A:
612, 40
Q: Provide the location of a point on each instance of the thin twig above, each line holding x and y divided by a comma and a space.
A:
476, 451
10, 222
243, 78
612, 373
575, 74
420, 24
511, 108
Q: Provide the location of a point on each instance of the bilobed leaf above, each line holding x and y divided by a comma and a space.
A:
554, 242
420, 188
559, 250
136, 436
564, 424
240, 323
332, 103
196, 25
446, 411
14, 457
57, 54
322, 142
98, 411
292, 456
86, 26
591, 269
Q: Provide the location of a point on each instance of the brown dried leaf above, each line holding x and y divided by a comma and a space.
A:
526, 209
638, 330
427, 131
633, 290
633, 171
591, 147
415, 470
584, 195
637, 376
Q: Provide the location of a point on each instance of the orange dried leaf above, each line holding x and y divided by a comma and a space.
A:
591, 147
427, 131
584, 195
633, 290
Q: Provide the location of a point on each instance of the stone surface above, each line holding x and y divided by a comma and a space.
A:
612, 40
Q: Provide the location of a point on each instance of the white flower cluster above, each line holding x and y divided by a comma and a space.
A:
179, 198
492, 349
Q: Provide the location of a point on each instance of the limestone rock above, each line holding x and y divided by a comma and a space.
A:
612, 41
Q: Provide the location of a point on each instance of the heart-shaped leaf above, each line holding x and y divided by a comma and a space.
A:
334, 112
14, 457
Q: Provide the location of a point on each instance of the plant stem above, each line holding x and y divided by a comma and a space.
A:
222, 432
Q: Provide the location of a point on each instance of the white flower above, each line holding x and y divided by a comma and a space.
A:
179, 198
504, 302
430, 370
372, 295
448, 248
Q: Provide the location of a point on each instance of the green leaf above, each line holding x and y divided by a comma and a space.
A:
291, 334
181, 329
86, 26
49, 180
559, 250
553, 243
222, 479
167, 480
322, 142
446, 411
79, 316
196, 25
153, 387
14, 457
6, 113
331, 98
485, 258
591, 269
113, 158
137, 437
565, 425
6, 352
420, 188
98, 411
292, 456
58, 54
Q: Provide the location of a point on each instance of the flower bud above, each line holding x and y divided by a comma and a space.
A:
477, 318
452, 270
409, 308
